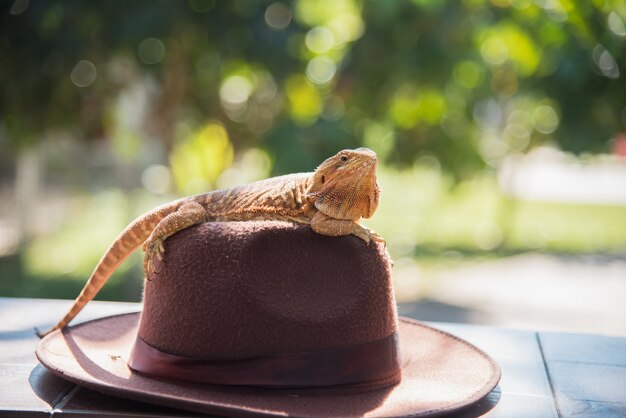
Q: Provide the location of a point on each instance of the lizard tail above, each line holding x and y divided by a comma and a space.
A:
124, 245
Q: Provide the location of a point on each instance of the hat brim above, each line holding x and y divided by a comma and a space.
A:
440, 374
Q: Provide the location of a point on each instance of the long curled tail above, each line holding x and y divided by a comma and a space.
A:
124, 245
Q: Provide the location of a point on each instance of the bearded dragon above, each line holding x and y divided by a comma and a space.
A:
341, 191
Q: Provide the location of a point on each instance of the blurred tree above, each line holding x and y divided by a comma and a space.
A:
466, 82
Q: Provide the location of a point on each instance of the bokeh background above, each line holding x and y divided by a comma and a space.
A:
500, 126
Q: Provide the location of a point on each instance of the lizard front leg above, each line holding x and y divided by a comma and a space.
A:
325, 225
187, 215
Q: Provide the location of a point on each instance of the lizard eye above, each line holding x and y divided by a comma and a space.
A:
344, 158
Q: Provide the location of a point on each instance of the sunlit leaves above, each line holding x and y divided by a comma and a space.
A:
507, 42
199, 160
321, 70
379, 137
411, 106
341, 17
320, 40
249, 95
527, 119
552, 34
305, 103
468, 74
545, 119
235, 91
315, 75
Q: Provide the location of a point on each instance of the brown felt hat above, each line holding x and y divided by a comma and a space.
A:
270, 318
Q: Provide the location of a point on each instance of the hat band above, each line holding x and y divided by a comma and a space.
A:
370, 365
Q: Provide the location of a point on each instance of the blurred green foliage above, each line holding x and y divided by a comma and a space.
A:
204, 94
464, 81
437, 213
437, 224
198, 162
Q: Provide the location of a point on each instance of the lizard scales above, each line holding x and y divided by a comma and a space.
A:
341, 191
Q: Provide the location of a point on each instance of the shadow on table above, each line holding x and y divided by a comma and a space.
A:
52, 390
481, 407
48, 387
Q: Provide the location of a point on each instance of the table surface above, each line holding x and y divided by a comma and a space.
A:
544, 374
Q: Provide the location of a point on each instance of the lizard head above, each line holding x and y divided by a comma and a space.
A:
344, 186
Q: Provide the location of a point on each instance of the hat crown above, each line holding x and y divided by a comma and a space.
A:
243, 290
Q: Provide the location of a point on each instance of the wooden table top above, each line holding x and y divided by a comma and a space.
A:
544, 374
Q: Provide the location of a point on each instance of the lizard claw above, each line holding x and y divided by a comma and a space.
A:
377, 238
373, 236
364, 235
368, 236
153, 249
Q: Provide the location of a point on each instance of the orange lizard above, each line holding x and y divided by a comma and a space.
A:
341, 191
